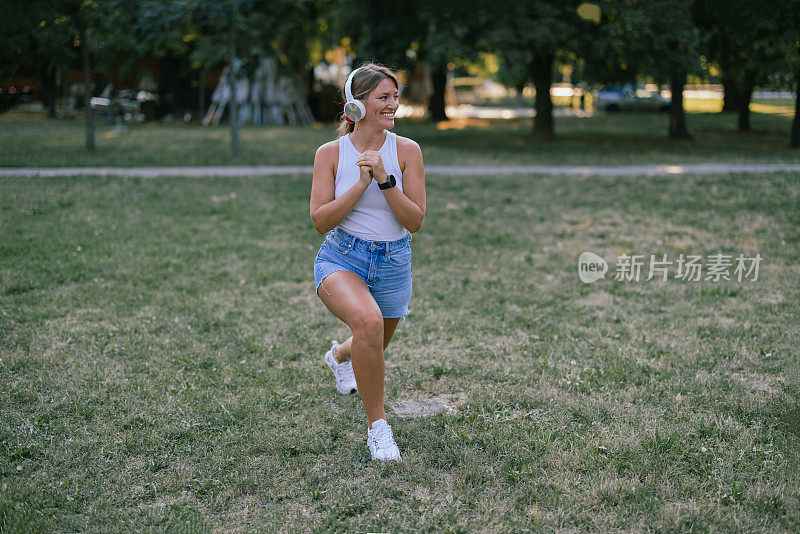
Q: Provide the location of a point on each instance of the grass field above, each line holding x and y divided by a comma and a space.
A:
616, 139
161, 361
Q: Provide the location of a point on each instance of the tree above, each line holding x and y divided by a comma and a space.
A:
83, 38
673, 55
240, 33
439, 33
747, 40
205, 31
794, 140
449, 31
47, 48
55, 28
529, 36
373, 35
793, 65
169, 31
653, 38
250, 30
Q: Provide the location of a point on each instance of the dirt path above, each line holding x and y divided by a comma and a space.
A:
152, 172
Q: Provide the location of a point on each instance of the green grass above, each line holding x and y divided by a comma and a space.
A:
616, 139
161, 361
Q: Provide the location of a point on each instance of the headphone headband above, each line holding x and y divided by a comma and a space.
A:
348, 93
354, 110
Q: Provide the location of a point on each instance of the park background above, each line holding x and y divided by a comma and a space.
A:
161, 345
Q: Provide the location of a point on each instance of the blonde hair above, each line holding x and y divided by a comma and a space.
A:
364, 82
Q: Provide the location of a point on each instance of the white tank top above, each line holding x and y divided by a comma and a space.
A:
371, 218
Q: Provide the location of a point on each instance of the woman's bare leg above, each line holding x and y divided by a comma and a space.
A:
389, 326
346, 295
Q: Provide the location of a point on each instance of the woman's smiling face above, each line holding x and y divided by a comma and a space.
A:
382, 103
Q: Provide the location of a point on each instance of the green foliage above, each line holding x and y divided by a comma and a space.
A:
752, 43
650, 38
434, 33
374, 33
663, 40
530, 37
125, 31
198, 29
437, 32
450, 31
35, 36
748, 40
525, 32
53, 29
48, 36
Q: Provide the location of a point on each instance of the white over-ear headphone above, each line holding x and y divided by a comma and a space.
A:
353, 109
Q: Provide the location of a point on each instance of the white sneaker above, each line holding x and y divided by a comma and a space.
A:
380, 442
343, 372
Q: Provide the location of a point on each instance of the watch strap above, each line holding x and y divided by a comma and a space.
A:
389, 183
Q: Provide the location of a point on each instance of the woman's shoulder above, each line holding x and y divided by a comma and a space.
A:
329, 151
407, 147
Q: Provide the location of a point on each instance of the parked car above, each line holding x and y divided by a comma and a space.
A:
630, 98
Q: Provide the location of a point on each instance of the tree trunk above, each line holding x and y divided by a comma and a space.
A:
49, 84
743, 105
542, 72
233, 107
436, 106
87, 80
677, 117
730, 96
309, 79
794, 142
201, 92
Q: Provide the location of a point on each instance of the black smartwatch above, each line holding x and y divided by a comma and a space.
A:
388, 184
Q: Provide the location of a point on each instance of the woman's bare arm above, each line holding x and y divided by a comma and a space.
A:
327, 212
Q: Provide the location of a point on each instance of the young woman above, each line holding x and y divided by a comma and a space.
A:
368, 194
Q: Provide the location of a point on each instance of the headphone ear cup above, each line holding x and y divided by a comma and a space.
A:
355, 110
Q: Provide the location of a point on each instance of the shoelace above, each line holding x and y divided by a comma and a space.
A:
346, 371
341, 369
382, 437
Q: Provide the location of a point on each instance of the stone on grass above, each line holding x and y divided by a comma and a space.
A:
420, 408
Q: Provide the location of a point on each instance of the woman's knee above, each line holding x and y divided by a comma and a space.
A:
369, 324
